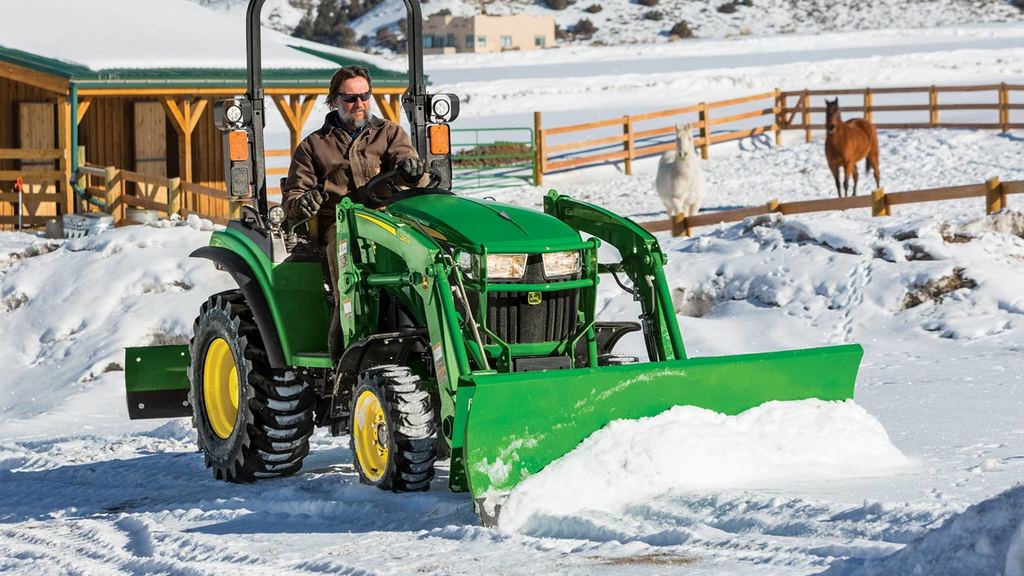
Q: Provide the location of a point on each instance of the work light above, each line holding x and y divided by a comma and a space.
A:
558, 264
506, 266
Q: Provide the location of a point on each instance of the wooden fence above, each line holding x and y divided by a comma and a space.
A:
30, 197
123, 189
880, 203
638, 136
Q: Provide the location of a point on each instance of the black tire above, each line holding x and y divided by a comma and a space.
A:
274, 417
406, 425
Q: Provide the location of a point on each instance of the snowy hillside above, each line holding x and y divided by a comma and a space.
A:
629, 21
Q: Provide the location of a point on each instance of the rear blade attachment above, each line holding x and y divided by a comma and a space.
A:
156, 381
518, 423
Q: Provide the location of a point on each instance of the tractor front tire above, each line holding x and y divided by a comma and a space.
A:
392, 430
252, 421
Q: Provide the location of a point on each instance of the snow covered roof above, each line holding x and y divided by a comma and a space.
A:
131, 43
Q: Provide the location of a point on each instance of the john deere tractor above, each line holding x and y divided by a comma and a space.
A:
465, 328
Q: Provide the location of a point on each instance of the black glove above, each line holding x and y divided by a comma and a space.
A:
305, 207
412, 169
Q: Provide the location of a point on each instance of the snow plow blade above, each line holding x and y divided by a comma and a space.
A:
156, 381
520, 422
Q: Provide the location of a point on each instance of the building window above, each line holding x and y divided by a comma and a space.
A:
538, 41
506, 41
469, 41
438, 41
450, 40
428, 41
481, 41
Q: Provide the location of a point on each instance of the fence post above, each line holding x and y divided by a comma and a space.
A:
538, 151
807, 115
627, 129
82, 182
867, 104
112, 192
995, 200
705, 129
1004, 106
173, 196
779, 117
879, 203
933, 104
772, 205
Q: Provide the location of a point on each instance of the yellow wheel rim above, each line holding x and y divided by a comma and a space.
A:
370, 435
220, 388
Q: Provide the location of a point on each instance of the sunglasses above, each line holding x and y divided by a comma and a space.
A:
351, 98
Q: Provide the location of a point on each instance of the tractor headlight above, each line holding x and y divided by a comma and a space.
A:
506, 266
469, 264
558, 264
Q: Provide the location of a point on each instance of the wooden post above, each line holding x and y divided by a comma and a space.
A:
295, 112
807, 115
64, 164
538, 150
627, 129
779, 117
867, 104
83, 181
772, 205
1004, 106
705, 129
995, 200
933, 104
173, 196
112, 192
185, 118
879, 203
680, 225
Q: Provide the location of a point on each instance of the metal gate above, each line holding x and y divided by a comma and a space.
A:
492, 158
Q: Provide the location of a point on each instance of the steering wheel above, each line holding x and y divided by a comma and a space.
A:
383, 189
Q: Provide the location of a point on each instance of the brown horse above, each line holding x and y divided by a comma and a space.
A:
846, 143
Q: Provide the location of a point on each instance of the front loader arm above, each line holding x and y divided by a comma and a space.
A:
642, 261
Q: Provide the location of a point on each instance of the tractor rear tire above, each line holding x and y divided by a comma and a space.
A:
392, 430
252, 421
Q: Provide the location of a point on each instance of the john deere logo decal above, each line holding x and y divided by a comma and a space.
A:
533, 298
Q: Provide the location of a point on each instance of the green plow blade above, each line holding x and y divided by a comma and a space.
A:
518, 423
156, 381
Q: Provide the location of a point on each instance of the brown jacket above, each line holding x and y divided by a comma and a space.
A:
330, 158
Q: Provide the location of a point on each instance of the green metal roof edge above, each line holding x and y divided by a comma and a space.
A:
186, 77
379, 75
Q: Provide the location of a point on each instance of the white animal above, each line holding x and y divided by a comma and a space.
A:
680, 180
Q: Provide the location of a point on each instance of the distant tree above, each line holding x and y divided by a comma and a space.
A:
653, 15
727, 8
681, 30
328, 26
557, 4
584, 28
593, 9
647, 2
442, 12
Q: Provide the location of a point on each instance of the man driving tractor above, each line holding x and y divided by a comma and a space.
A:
339, 159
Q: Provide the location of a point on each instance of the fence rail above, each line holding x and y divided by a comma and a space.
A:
880, 203
30, 197
772, 112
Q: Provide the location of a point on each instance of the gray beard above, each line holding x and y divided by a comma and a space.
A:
351, 121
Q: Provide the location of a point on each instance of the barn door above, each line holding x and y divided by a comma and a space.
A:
36, 131
151, 147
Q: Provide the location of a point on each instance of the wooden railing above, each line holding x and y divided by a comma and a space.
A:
636, 141
880, 203
621, 140
30, 197
799, 104
123, 189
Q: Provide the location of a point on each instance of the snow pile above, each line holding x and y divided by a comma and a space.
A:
69, 308
633, 461
987, 538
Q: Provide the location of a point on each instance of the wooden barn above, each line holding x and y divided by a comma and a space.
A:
141, 100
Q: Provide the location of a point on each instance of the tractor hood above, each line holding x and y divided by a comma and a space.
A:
483, 225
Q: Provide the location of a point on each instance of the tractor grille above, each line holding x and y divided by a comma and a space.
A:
513, 319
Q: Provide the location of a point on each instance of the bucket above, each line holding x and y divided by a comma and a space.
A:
79, 225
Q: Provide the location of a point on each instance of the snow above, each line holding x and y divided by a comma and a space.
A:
919, 474
161, 34
689, 448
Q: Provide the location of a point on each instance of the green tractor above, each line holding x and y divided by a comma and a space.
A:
465, 328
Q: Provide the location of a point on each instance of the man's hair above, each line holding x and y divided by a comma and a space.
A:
346, 73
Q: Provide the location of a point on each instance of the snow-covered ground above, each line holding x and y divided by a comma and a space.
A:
919, 475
